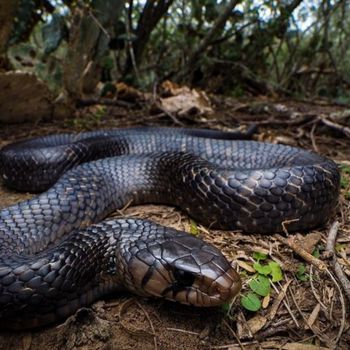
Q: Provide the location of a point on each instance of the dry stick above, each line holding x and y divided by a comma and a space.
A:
104, 101
344, 129
164, 111
314, 330
302, 252
312, 136
281, 295
332, 235
331, 239
233, 346
343, 307
150, 323
182, 331
170, 115
313, 289
287, 306
137, 331
235, 335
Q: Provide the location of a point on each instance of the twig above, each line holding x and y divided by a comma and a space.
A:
343, 129
287, 306
285, 223
99, 24
312, 136
290, 242
170, 115
137, 331
182, 331
314, 330
313, 289
234, 334
331, 239
343, 307
103, 101
281, 295
150, 323
272, 330
126, 206
234, 346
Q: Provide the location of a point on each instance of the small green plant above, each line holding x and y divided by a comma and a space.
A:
267, 272
99, 114
90, 120
345, 180
193, 228
340, 247
301, 274
251, 301
317, 250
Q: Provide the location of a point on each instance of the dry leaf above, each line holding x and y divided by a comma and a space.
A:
313, 316
278, 300
243, 331
245, 266
309, 241
266, 301
256, 323
184, 101
128, 93
169, 88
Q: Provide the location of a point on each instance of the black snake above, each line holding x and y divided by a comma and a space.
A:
55, 257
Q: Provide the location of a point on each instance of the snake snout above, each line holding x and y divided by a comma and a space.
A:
186, 270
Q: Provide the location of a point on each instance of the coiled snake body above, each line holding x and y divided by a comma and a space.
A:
55, 257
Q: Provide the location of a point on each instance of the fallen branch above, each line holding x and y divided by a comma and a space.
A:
291, 243
330, 251
343, 129
103, 101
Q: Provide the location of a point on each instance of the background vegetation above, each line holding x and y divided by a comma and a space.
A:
232, 47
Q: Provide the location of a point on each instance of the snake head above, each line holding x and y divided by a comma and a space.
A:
179, 267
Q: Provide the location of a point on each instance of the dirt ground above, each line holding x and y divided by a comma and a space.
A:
301, 313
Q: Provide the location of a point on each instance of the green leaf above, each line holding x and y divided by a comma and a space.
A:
251, 301
344, 182
260, 285
226, 307
259, 256
194, 228
339, 247
301, 269
316, 252
262, 269
276, 272
301, 275
345, 169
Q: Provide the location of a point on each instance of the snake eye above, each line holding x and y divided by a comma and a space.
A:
184, 278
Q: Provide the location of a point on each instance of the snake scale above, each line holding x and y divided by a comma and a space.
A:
56, 255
